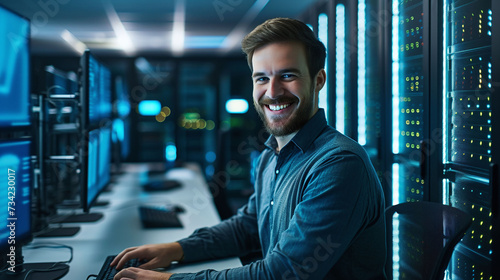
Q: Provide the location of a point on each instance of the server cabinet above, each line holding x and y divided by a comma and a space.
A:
443, 127
410, 88
468, 129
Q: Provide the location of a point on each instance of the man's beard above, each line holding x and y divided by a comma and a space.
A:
295, 121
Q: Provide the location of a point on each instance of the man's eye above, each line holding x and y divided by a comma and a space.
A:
261, 79
287, 76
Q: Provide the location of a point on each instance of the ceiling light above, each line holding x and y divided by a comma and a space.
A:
76, 44
239, 31
121, 33
178, 32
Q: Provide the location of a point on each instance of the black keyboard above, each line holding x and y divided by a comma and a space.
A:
108, 272
161, 185
158, 218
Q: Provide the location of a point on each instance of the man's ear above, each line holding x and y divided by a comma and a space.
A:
320, 80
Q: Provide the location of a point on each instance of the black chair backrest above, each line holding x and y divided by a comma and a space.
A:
425, 235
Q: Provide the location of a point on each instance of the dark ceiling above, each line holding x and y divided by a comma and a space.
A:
132, 27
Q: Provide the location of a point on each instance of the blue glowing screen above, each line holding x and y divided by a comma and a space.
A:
92, 166
104, 156
98, 162
15, 181
14, 70
99, 90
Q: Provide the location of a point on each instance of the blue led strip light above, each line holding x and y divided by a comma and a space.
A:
361, 73
340, 68
323, 37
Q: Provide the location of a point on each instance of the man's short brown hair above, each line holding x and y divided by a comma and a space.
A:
282, 30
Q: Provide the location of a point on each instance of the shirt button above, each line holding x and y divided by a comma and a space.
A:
277, 171
272, 202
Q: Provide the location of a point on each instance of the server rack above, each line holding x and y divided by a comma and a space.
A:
356, 91
495, 101
468, 129
372, 103
443, 127
197, 100
410, 89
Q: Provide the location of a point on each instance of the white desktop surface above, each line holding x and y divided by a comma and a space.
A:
120, 227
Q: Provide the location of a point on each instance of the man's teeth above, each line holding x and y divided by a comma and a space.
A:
278, 107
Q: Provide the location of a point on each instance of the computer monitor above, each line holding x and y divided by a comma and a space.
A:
15, 213
15, 218
104, 157
96, 91
96, 165
121, 121
121, 137
90, 167
105, 106
59, 82
14, 70
121, 101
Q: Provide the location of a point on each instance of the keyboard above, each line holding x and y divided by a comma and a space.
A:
161, 185
108, 272
152, 217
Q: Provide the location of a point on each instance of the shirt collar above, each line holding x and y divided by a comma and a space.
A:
306, 135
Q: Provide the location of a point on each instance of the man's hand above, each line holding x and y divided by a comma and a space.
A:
157, 255
134, 273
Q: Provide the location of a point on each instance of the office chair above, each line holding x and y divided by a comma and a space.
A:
425, 235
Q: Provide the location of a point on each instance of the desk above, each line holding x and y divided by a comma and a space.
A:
121, 228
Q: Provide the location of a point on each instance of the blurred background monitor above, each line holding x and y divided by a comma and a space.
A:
90, 167
96, 91
14, 70
104, 157
121, 120
96, 165
121, 103
16, 199
121, 137
59, 82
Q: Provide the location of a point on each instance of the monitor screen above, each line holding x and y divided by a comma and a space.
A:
121, 136
15, 201
91, 164
14, 70
59, 82
96, 90
104, 157
121, 103
93, 89
96, 165
105, 106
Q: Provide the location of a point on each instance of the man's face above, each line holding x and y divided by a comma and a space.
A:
283, 93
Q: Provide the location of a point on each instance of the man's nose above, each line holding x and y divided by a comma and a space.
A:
275, 88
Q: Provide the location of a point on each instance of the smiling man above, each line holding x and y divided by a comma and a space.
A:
318, 208
285, 95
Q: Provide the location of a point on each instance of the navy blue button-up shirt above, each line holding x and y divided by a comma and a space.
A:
317, 213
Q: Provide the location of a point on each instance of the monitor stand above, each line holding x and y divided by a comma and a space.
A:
39, 271
161, 185
58, 232
75, 204
76, 218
